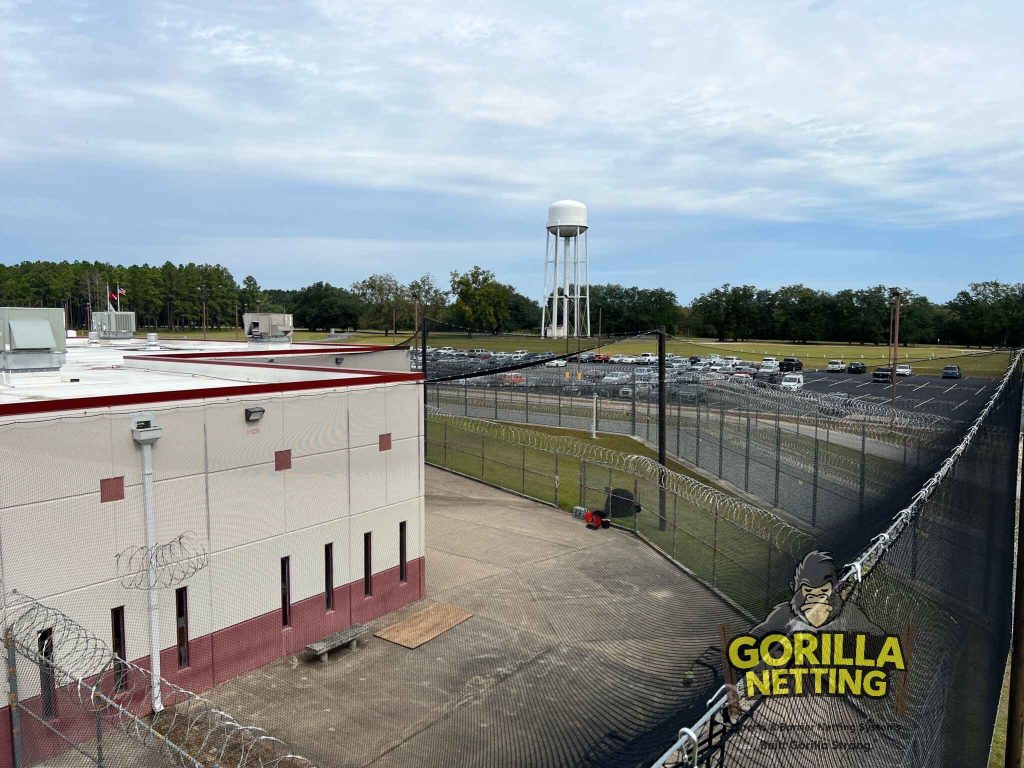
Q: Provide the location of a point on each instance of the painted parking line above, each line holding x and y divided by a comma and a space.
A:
835, 383
921, 387
864, 384
957, 406
917, 405
950, 389
982, 389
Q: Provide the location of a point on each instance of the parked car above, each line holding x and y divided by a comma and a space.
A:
903, 369
883, 374
835, 366
647, 358
792, 382
628, 360
616, 359
643, 373
744, 369
556, 363
769, 362
731, 360
766, 376
694, 359
585, 357
600, 358
951, 372
790, 364
616, 377
856, 367
446, 350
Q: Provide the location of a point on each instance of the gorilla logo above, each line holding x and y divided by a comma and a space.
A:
816, 603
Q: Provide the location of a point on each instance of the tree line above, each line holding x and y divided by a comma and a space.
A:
174, 296
984, 314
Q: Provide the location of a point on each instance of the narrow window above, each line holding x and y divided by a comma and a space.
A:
181, 624
329, 576
47, 679
286, 593
402, 571
368, 563
120, 652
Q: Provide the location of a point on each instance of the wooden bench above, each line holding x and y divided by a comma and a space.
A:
349, 637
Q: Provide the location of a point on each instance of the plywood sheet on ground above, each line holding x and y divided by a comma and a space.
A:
425, 625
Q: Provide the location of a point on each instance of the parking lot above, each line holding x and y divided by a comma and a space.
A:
959, 399
954, 398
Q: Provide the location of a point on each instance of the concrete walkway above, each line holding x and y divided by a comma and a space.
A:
581, 643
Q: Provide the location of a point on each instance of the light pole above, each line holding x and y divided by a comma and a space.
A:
202, 293
894, 337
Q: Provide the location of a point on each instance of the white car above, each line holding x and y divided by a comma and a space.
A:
616, 359
446, 350
902, 369
615, 378
769, 362
730, 360
835, 366
647, 358
792, 382
628, 360
556, 363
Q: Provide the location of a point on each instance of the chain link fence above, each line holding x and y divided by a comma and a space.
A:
835, 466
939, 577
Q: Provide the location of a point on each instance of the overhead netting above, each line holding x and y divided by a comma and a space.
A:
939, 578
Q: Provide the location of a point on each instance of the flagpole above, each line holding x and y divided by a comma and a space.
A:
118, 297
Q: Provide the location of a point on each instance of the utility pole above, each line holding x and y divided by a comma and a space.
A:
894, 338
662, 522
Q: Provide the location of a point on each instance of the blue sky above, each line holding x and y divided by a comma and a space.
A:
832, 143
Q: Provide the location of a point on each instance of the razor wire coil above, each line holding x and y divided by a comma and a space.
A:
172, 562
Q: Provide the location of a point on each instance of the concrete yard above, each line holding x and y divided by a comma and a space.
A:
579, 651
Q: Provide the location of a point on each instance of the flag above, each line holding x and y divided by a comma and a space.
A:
121, 291
113, 296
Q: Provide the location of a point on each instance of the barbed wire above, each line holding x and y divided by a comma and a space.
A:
189, 731
174, 562
750, 518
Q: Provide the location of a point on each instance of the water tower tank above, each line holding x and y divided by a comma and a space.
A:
567, 218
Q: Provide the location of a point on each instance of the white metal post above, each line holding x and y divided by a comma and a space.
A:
145, 433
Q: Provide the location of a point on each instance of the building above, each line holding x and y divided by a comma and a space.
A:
297, 469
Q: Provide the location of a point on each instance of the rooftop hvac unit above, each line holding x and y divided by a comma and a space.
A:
267, 326
114, 325
31, 339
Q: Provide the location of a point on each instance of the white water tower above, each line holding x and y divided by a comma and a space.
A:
566, 306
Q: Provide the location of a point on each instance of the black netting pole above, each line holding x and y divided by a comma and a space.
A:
778, 452
1015, 718
662, 521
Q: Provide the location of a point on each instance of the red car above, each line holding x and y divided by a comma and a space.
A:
599, 358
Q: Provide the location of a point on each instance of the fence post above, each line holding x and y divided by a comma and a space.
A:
560, 386
679, 423
483, 451
721, 437
527, 386
495, 403
12, 687
632, 400
768, 581
524, 470
556, 479
778, 452
648, 415
675, 522
697, 450
863, 462
99, 738
583, 483
814, 489
444, 444
746, 458
465, 398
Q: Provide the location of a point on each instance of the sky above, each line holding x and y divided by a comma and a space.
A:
834, 143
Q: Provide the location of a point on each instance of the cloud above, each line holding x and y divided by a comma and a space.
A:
796, 111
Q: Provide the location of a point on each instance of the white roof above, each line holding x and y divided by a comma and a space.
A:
100, 370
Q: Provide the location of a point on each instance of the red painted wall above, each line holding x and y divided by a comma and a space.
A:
225, 654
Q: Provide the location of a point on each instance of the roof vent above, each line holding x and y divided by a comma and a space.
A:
31, 340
